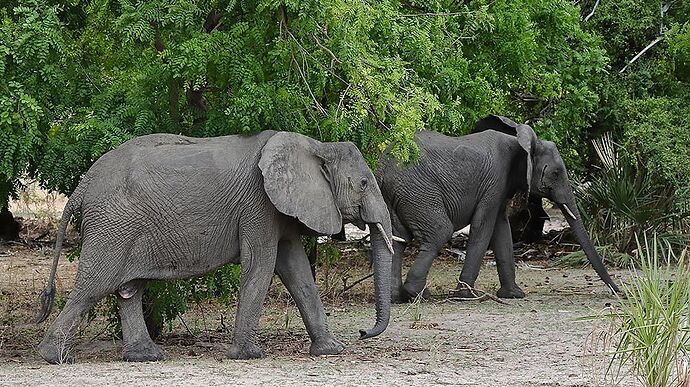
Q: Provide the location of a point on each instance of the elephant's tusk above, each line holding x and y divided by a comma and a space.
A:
398, 239
569, 212
385, 237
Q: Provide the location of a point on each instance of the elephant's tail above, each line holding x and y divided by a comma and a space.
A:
48, 294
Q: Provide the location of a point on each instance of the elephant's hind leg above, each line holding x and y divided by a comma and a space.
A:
440, 230
136, 341
56, 346
88, 289
293, 268
258, 260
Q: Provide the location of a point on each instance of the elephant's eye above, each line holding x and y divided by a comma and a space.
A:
364, 182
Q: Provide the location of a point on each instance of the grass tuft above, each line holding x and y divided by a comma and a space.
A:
649, 333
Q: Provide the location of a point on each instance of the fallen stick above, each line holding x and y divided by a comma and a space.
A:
356, 282
476, 293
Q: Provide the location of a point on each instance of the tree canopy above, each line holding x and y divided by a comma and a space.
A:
78, 78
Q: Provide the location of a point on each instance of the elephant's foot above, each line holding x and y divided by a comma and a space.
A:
247, 350
410, 294
143, 351
55, 354
327, 346
513, 291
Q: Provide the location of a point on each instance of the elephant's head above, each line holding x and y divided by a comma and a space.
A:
324, 185
547, 177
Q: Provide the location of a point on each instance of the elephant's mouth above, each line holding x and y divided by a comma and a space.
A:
360, 224
354, 215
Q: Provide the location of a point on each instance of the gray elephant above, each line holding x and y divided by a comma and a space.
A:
166, 206
467, 180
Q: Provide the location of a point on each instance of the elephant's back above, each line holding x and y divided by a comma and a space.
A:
176, 145
175, 199
176, 152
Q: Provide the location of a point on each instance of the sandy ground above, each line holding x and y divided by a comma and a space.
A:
537, 341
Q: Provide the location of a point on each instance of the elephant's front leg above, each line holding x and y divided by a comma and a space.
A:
502, 243
397, 293
293, 268
481, 230
258, 259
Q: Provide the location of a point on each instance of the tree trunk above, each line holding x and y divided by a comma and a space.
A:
9, 227
527, 217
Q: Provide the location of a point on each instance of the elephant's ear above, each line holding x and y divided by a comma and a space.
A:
528, 141
525, 135
498, 123
297, 183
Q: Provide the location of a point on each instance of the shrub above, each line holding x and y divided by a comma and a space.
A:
164, 301
625, 199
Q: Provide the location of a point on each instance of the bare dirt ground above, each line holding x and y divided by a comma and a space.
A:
537, 341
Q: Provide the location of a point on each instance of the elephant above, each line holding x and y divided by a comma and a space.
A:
467, 180
166, 206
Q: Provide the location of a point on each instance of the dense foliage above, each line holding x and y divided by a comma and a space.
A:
78, 78
100, 72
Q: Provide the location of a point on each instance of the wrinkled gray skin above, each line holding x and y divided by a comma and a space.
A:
468, 180
166, 206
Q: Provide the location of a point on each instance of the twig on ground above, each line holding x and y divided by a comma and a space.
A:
479, 295
352, 285
186, 327
97, 335
38, 238
527, 266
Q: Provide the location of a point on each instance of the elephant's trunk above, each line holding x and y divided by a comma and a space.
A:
572, 215
381, 258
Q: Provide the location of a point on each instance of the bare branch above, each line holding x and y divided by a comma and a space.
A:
284, 25
650, 45
342, 97
357, 282
435, 14
212, 21
306, 83
318, 42
592, 13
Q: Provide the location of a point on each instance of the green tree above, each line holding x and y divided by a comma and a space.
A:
80, 78
34, 69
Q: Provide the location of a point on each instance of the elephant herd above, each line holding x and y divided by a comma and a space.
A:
166, 206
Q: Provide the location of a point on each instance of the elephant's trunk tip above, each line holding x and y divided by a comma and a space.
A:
367, 334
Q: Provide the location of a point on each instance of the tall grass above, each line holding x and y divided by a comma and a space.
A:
649, 334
